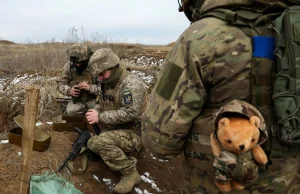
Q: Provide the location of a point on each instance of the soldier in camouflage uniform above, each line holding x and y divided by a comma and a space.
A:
76, 81
209, 65
123, 101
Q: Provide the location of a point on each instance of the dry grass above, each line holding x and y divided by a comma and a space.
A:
46, 60
49, 58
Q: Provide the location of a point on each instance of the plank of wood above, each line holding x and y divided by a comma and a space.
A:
31, 107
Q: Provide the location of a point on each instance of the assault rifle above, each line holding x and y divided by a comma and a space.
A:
80, 142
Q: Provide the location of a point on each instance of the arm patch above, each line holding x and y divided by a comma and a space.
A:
127, 97
168, 81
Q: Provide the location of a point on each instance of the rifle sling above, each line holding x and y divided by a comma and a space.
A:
84, 163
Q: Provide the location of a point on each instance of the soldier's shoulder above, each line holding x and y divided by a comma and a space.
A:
133, 80
208, 30
131, 77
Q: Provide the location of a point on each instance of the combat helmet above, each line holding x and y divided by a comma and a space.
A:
188, 7
244, 109
103, 59
79, 51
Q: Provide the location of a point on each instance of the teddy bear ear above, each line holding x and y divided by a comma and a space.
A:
255, 121
223, 122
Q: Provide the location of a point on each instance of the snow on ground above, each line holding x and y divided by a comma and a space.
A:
145, 61
107, 182
2, 82
148, 79
154, 158
3, 141
28, 78
146, 178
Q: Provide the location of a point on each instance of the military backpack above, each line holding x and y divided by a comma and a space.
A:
275, 71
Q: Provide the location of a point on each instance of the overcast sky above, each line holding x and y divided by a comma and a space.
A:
127, 21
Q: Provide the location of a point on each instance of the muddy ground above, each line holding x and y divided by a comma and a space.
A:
158, 176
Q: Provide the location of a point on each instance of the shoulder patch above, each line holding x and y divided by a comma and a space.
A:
127, 97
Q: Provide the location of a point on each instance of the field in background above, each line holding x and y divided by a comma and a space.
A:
40, 64
50, 57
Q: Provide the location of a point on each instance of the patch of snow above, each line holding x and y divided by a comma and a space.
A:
2, 81
95, 177
19, 79
4, 141
49, 123
39, 123
139, 191
146, 78
148, 179
160, 160
108, 183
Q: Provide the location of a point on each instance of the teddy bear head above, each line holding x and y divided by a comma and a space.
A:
238, 134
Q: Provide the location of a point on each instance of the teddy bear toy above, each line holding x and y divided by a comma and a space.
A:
236, 146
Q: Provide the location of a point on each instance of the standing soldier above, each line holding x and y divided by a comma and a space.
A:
209, 66
76, 81
122, 102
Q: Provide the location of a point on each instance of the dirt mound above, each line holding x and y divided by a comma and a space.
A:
6, 42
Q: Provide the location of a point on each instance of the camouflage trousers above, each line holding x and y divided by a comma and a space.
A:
115, 146
283, 176
80, 108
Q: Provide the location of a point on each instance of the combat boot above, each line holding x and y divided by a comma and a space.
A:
127, 182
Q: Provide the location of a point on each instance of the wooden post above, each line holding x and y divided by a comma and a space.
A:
31, 107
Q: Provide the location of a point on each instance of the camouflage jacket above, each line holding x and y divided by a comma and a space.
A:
66, 81
209, 65
121, 107
241, 168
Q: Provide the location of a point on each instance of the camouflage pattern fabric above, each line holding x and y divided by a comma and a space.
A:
80, 108
112, 146
241, 168
257, 5
192, 8
231, 166
68, 78
244, 109
278, 179
131, 87
121, 120
103, 59
80, 51
210, 65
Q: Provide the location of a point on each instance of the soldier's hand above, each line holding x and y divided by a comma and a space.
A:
84, 86
75, 91
92, 116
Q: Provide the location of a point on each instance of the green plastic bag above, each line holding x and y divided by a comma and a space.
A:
51, 183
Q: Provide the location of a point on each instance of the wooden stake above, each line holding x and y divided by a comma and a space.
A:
31, 107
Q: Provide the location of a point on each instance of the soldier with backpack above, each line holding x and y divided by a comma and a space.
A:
76, 81
244, 49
